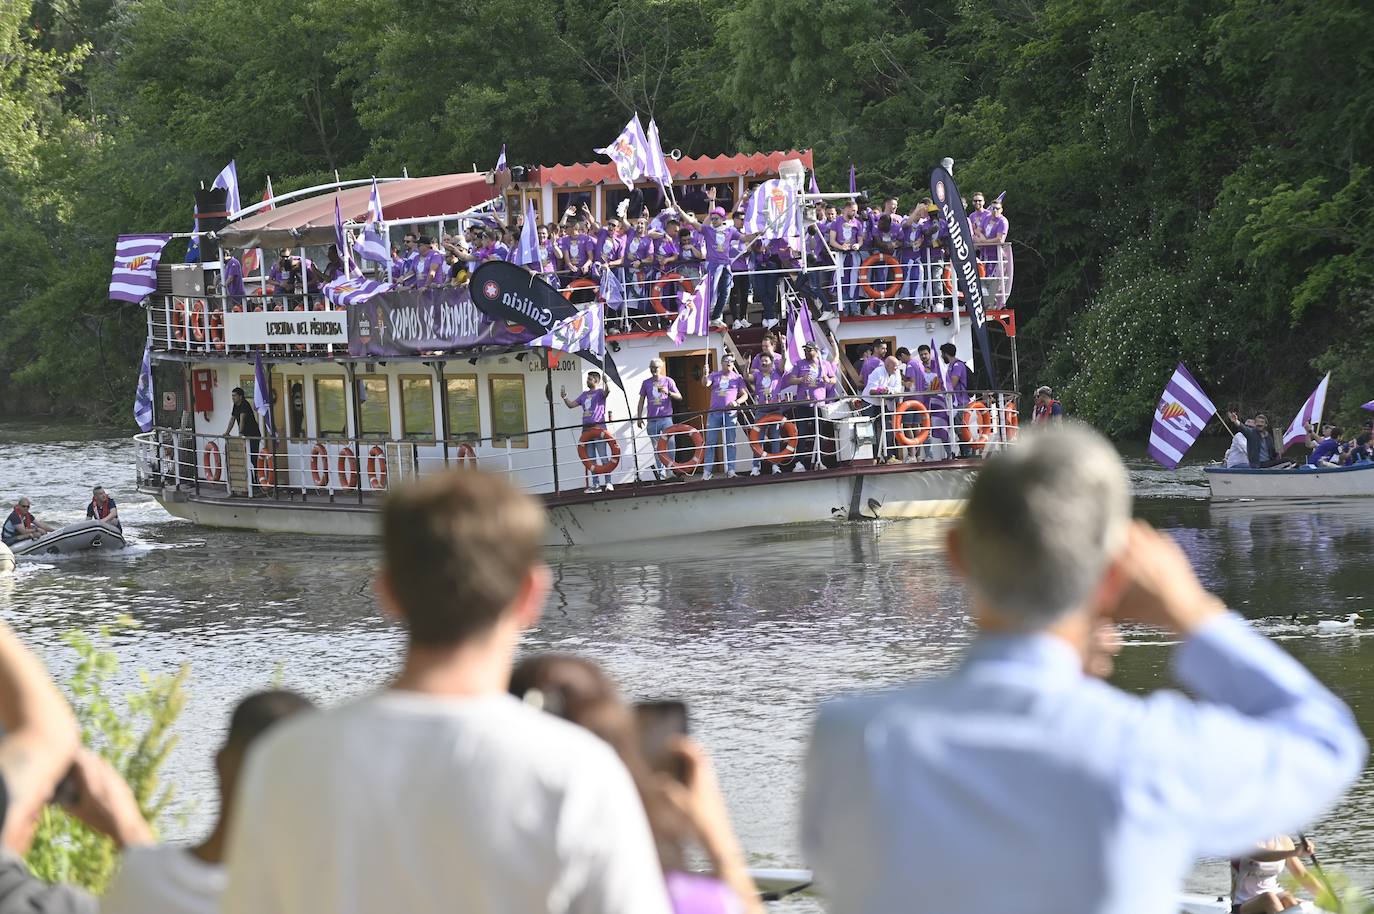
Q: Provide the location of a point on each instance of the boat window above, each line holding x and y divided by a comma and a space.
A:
463, 411
575, 197
417, 407
331, 410
508, 410
375, 411
653, 198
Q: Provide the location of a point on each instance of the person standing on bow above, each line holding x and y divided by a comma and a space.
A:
728, 390
811, 377
880, 388
765, 382
595, 415
659, 393
639, 265
847, 239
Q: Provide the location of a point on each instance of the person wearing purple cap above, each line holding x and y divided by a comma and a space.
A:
728, 390
846, 238
766, 384
594, 415
658, 393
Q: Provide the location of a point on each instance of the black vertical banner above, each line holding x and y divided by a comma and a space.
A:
945, 193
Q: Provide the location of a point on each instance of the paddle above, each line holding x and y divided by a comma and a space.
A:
1321, 876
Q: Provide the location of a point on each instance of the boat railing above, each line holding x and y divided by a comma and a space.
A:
195, 323
778, 436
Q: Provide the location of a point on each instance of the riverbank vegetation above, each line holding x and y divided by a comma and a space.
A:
1185, 178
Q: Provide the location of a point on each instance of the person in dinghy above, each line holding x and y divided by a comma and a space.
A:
22, 525
103, 508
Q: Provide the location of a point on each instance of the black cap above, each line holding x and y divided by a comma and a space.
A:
424, 239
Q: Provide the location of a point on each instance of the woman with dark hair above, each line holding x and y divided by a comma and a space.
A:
681, 807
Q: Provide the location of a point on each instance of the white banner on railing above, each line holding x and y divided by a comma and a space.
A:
254, 328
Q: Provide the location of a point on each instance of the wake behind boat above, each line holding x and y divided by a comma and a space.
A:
87, 536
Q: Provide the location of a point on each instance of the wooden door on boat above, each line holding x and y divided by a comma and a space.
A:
278, 445
689, 370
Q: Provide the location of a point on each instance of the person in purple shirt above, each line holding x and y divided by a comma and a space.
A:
847, 239
956, 383
576, 251
812, 378
231, 277
639, 261
769, 346
1327, 451
728, 390
403, 265
548, 257
816, 281
766, 384
594, 415
722, 243
911, 252
430, 270
692, 252
995, 229
884, 237
873, 358
667, 251
742, 285
659, 393
978, 215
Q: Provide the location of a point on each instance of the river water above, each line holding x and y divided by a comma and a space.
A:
751, 630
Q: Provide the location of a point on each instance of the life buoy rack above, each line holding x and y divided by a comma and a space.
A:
695, 454
348, 468
656, 296
579, 283
1011, 421
179, 320
592, 434
976, 412
904, 438
894, 281
198, 320
214, 463
319, 466
466, 456
267, 469
376, 467
789, 438
949, 278
217, 329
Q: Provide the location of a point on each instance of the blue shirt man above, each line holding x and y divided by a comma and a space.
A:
1022, 783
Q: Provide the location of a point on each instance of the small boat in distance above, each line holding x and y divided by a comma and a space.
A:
1304, 482
87, 536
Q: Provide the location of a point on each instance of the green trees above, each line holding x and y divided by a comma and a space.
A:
1183, 177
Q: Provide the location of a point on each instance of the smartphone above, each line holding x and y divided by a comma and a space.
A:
660, 723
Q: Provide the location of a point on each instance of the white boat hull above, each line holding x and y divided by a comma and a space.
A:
82, 537
1339, 482
644, 512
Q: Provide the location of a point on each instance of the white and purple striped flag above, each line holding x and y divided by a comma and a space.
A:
657, 166
143, 396
693, 315
135, 266
584, 331
1183, 412
1310, 413
229, 180
373, 245
352, 290
772, 211
611, 291
501, 159
800, 330
527, 251
629, 152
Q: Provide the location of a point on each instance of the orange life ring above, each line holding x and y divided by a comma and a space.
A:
467, 457
217, 329
1011, 421
214, 464
695, 455
267, 469
198, 320
656, 296
789, 438
894, 282
976, 411
949, 277
376, 467
179, 320
591, 434
348, 468
319, 466
579, 283
922, 430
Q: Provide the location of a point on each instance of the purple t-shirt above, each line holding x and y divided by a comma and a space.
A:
779, 363
726, 387
1324, 449
609, 246
721, 244
956, 373
768, 388
811, 379
233, 279
664, 251
994, 226
659, 402
692, 893
847, 231
593, 403
867, 367
575, 247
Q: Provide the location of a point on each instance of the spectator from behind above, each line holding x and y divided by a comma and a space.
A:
442, 792
1021, 764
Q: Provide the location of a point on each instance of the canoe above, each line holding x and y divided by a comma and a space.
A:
1338, 482
87, 536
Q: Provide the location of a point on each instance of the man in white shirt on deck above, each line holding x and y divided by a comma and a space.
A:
443, 793
1019, 782
884, 381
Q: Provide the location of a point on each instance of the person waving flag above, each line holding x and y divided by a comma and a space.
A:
1309, 415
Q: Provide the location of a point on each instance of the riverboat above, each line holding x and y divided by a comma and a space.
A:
370, 394
1302, 482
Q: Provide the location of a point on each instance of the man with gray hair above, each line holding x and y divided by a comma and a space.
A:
1019, 782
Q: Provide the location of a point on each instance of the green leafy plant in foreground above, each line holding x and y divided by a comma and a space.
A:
134, 733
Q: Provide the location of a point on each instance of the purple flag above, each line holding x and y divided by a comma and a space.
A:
612, 291
1310, 413
501, 159
657, 168
351, 290
815, 188
852, 186
1181, 415
229, 180
584, 331
693, 315
143, 396
527, 252
629, 152
1369, 406
772, 211
800, 330
135, 266
373, 245
261, 396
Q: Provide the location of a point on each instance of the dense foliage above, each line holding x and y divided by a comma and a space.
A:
1184, 177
